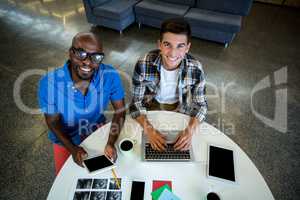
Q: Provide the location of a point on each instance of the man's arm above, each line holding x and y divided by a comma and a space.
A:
55, 125
184, 138
115, 129
198, 112
137, 109
156, 139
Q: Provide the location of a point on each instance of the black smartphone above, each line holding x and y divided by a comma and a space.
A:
137, 190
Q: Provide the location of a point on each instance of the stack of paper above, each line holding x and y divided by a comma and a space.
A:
162, 190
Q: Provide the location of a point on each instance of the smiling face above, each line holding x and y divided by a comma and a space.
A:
83, 69
173, 48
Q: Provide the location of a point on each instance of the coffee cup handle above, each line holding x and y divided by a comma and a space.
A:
134, 141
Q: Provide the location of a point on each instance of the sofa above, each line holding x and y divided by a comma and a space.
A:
217, 20
114, 14
153, 12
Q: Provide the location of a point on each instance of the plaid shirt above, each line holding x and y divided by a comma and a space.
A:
191, 85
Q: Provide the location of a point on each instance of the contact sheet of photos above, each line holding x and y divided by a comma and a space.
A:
97, 189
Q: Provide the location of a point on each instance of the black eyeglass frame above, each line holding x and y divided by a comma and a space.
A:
79, 51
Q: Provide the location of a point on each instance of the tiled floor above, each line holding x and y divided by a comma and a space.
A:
35, 37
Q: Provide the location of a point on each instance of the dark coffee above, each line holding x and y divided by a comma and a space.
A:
126, 145
212, 196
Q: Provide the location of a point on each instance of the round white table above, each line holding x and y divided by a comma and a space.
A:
189, 179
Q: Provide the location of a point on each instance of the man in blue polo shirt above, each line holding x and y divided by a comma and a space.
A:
74, 97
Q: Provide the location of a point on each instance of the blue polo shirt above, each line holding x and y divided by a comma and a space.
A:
80, 113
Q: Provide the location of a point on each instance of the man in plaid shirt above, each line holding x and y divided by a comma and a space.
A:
169, 79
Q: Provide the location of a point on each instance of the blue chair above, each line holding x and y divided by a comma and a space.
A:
114, 14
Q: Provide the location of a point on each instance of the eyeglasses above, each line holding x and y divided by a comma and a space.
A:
81, 54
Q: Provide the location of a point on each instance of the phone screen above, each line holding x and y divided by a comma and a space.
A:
137, 190
221, 163
97, 163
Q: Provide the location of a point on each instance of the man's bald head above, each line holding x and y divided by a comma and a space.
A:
83, 63
88, 38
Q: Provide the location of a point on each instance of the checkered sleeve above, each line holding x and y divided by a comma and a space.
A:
199, 101
136, 107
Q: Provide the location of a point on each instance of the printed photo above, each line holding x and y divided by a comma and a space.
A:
81, 196
84, 183
114, 195
98, 195
100, 183
113, 185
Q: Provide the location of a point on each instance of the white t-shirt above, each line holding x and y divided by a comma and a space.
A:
167, 92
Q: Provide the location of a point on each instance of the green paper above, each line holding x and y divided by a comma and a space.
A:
155, 194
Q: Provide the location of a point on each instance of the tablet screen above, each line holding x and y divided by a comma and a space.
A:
96, 163
221, 163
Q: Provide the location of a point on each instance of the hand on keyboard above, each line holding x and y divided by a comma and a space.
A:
183, 140
156, 139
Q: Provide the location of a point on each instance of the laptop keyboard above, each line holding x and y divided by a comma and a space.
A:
168, 154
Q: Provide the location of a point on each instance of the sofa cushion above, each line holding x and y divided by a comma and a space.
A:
181, 2
215, 20
239, 7
115, 9
159, 9
95, 3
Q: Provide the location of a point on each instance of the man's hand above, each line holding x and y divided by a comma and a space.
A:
111, 152
156, 139
183, 140
78, 155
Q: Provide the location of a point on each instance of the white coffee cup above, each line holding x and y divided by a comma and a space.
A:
126, 146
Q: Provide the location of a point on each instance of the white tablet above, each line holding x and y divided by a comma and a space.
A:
221, 164
98, 163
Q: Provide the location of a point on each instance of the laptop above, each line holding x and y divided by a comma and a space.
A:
170, 154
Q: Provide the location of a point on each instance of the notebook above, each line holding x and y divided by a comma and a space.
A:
168, 195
